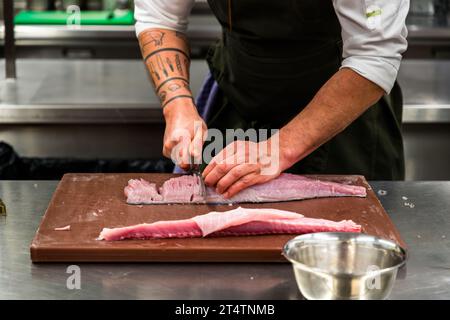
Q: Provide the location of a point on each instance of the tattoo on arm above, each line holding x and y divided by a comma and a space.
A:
156, 38
170, 79
158, 61
177, 97
174, 87
152, 70
166, 49
161, 65
178, 63
170, 64
167, 64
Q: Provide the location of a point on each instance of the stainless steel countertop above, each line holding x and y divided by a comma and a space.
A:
425, 228
118, 91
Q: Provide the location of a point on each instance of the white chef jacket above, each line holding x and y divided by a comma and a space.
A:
373, 32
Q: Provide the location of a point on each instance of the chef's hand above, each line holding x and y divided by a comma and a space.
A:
184, 134
244, 163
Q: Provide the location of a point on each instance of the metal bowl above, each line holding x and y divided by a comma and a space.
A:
338, 265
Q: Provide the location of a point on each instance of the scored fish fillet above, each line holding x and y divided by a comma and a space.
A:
237, 222
287, 187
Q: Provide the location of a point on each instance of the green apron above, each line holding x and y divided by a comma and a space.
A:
270, 63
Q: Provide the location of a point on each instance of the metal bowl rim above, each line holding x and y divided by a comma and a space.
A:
316, 270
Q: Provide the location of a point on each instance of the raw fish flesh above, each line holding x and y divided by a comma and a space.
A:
237, 222
287, 187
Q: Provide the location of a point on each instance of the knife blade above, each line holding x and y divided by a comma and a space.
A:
195, 170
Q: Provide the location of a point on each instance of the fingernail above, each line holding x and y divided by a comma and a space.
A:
226, 195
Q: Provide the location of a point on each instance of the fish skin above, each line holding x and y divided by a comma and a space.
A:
287, 187
237, 222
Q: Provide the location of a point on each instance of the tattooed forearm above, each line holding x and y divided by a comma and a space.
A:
165, 53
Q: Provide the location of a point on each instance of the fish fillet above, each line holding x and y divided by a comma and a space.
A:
287, 187
237, 222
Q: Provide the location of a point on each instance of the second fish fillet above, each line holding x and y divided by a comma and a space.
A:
237, 222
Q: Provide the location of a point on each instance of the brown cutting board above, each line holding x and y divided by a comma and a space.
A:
89, 202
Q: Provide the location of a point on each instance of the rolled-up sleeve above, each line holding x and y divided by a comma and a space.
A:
164, 14
374, 37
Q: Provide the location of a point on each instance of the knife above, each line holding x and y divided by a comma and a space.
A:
195, 170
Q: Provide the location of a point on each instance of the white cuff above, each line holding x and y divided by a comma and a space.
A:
162, 14
380, 70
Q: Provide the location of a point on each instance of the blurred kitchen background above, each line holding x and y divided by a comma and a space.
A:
78, 99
